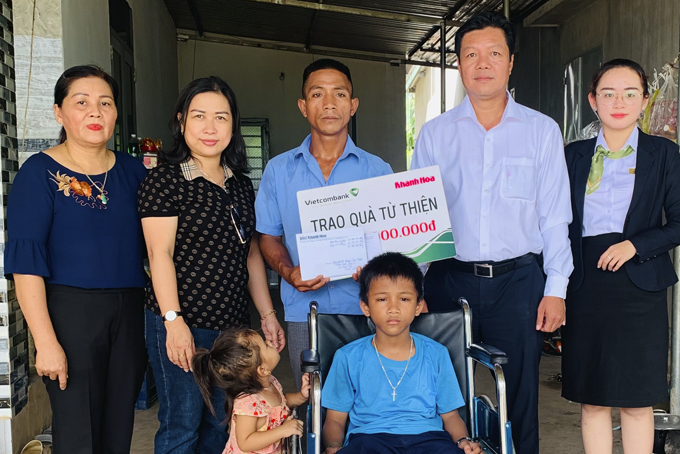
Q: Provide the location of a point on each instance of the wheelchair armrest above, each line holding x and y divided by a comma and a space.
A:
310, 361
487, 355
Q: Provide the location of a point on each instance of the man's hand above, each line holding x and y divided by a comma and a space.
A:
617, 254
551, 314
294, 278
470, 447
332, 449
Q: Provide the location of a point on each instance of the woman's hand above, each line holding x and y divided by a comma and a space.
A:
50, 361
617, 254
332, 449
273, 332
469, 447
179, 343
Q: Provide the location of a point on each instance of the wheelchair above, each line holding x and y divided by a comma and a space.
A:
486, 423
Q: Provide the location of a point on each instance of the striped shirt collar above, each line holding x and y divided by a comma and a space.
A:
190, 170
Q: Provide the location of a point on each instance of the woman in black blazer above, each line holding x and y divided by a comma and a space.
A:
616, 339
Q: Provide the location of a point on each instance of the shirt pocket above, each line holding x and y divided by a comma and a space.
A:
518, 180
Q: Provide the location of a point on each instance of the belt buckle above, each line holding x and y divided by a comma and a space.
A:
488, 270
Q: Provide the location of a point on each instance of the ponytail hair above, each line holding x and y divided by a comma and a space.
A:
231, 364
204, 374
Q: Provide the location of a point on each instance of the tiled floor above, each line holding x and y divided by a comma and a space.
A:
559, 419
146, 424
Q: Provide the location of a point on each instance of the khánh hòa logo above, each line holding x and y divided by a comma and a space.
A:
413, 182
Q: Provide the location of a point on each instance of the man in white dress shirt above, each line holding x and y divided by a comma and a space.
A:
507, 189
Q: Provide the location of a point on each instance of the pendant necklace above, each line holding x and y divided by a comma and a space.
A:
394, 388
103, 197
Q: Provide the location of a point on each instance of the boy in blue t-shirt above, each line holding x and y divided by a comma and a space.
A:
399, 389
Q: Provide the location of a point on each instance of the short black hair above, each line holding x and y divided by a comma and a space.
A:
393, 265
74, 73
620, 63
325, 63
234, 156
485, 20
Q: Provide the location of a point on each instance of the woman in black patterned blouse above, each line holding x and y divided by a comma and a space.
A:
198, 218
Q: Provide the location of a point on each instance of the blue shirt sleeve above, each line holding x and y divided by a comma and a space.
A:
338, 391
449, 396
29, 221
267, 211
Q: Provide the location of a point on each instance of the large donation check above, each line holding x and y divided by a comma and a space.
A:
404, 212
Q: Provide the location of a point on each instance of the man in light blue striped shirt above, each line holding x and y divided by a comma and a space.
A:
507, 190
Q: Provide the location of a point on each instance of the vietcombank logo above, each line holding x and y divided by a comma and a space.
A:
333, 198
326, 200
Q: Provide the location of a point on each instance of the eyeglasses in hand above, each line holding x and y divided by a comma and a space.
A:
235, 218
236, 222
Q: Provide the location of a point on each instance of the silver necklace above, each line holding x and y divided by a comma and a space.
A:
102, 197
394, 388
223, 186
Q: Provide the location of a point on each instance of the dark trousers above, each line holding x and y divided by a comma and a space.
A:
504, 311
298, 341
438, 442
102, 334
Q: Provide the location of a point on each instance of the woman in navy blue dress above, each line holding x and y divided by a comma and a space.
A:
74, 251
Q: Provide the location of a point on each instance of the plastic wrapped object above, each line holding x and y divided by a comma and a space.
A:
663, 120
653, 93
591, 130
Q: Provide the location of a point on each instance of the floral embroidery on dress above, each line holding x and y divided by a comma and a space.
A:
81, 191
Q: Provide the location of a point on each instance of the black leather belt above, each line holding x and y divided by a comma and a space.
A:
493, 269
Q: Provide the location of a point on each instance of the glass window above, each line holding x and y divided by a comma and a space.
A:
255, 132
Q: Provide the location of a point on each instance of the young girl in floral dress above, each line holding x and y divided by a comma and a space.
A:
241, 363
